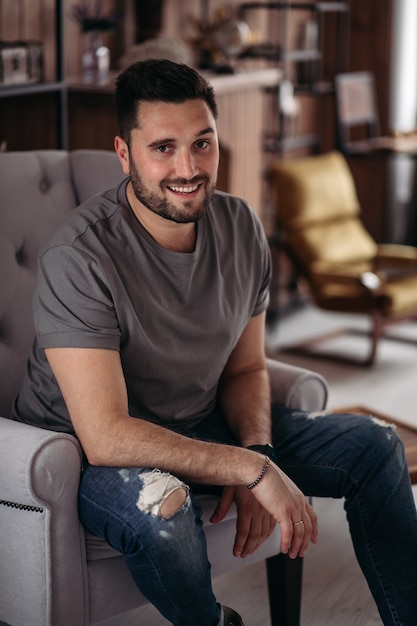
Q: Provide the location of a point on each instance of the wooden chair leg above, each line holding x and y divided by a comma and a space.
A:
284, 588
377, 326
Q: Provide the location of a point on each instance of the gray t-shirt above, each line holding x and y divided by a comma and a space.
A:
175, 318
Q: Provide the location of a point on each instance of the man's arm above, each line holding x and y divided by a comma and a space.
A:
93, 387
94, 390
244, 393
244, 397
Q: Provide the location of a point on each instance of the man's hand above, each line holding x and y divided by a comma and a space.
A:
288, 506
275, 499
254, 523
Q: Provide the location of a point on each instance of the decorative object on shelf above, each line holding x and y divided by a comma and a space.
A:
222, 40
289, 108
159, 48
308, 69
149, 42
21, 62
95, 60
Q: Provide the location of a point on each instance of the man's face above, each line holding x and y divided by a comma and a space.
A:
173, 159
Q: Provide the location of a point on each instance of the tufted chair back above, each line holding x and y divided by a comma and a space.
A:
38, 189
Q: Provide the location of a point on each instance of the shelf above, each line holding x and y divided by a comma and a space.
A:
52, 121
301, 61
277, 145
306, 89
275, 53
315, 89
297, 6
24, 89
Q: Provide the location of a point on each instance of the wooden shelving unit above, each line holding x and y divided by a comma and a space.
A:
307, 68
34, 116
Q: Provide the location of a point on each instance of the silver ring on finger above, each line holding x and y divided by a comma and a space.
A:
298, 523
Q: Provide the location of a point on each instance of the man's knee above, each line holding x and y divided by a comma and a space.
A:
173, 503
162, 494
384, 445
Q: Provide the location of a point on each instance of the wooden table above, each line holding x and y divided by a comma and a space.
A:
407, 433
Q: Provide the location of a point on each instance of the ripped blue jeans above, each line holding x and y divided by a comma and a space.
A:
339, 456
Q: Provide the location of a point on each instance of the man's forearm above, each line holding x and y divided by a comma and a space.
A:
135, 442
245, 401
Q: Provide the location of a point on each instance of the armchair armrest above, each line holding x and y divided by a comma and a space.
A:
390, 261
296, 387
360, 279
24, 450
42, 547
393, 253
340, 273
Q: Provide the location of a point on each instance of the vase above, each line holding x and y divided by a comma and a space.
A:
95, 60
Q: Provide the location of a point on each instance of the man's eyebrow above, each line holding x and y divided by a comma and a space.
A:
161, 142
206, 131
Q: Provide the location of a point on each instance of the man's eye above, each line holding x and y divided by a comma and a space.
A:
203, 143
163, 149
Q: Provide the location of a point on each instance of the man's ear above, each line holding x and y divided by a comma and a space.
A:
122, 152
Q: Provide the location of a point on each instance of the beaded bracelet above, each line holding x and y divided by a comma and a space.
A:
261, 475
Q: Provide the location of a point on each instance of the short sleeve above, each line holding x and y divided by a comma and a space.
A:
265, 265
73, 306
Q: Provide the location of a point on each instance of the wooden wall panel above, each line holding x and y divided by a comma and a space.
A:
370, 49
29, 122
370, 46
92, 120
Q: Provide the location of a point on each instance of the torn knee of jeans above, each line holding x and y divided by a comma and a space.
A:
162, 494
314, 414
384, 424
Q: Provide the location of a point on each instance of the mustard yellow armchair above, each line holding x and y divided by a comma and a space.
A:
318, 215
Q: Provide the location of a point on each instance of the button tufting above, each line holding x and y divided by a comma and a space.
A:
19, 256
44, 185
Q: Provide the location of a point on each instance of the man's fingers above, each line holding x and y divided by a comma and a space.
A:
223, 505
249, 534
296, 535
314, 521
302, 535
254, 524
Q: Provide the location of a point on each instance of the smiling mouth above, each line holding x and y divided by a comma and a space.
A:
183, 188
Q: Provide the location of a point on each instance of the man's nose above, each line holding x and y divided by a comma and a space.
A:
185, 165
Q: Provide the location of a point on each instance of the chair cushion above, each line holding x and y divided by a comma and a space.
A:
333, 242
313, 189
93, 171
399, 297
319, 210
99, 548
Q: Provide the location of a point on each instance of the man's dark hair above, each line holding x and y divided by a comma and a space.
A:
157, 80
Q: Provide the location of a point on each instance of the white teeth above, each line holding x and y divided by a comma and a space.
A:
184, 189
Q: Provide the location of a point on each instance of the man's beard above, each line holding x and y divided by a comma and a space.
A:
166, 209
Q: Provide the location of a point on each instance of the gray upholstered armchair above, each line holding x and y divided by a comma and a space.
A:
52, 572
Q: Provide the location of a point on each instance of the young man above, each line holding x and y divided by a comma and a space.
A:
150, 313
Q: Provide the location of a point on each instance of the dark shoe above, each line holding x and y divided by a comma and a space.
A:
231, 618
